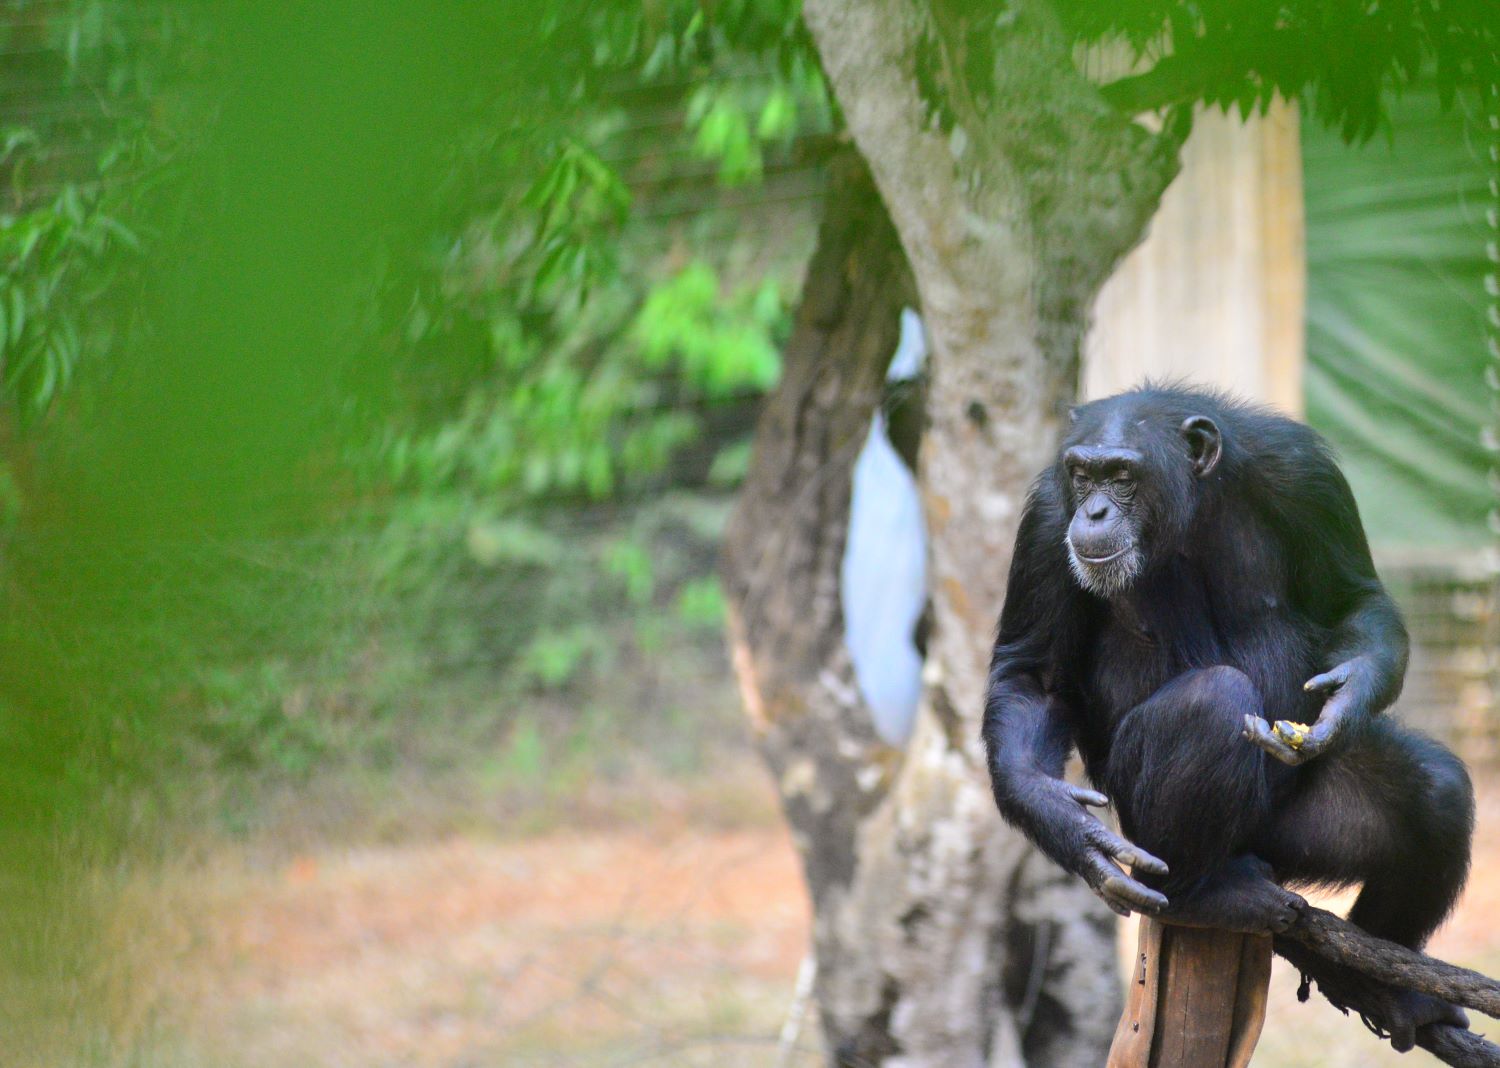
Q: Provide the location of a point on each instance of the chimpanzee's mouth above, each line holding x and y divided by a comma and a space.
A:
1095, 560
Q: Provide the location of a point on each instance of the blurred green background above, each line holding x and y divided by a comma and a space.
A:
363, 427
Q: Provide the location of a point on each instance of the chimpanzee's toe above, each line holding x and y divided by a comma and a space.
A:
1282, 907
1403, 1013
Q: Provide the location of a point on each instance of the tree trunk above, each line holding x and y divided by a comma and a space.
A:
941, 937
785, 542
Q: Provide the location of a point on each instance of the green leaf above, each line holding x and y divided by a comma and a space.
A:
778, 116
69, 203
701, 603
122, 233
510, 541
628, 561
553, 658
17, 314
730, 465
525, 754
724, 134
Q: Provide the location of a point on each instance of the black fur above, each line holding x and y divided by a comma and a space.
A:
1256, 576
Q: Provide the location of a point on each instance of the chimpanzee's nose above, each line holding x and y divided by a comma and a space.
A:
1098, 511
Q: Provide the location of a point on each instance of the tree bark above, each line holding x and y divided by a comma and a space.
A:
941, 937
785, 542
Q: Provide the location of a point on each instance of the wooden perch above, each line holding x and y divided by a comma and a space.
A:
1198, 997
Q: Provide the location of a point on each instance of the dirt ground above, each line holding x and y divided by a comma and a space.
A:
672, 943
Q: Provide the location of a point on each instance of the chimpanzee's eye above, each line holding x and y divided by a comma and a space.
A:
1080, 483
1124, 486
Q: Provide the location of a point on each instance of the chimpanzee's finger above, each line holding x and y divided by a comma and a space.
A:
1117, 888
1114, 906
1322, 733
1103, 876
1133, 894
1085, 796
1329, 680
1259, 734
1128, 852
1279, 750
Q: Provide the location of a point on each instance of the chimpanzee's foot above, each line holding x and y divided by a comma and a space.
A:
1242, 897
1397, 1013
1412, 1011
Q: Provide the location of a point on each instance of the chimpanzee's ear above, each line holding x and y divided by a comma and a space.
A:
1204, 443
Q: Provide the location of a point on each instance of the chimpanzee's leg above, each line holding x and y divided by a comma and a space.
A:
1395, 811
1387, 808
1189, 789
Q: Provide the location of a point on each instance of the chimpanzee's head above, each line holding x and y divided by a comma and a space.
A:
1131, 464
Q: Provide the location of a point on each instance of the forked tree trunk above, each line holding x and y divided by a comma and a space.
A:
942, 938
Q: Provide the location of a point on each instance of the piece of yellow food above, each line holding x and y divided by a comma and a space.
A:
1293, 734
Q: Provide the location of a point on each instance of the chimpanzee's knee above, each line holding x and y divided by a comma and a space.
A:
1449, 794
1429, 828
1194, 722
1186, 784
1443, 844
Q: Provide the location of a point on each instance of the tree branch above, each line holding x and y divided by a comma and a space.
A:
1344, 943
1458, 1046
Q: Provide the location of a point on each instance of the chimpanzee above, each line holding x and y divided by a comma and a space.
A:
1191, 586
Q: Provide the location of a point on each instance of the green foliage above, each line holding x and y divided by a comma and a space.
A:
524, 755
54, 260
555, 657
731, 464
85, 154
701, 603
1342, 56
510, 543
1396, 360
258, 717
733, 123
556, 354
720, 346
631, 563
577, 204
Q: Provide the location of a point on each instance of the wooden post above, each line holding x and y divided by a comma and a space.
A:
1197, 999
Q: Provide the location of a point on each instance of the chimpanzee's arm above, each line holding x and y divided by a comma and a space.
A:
1334, 582
1029, 732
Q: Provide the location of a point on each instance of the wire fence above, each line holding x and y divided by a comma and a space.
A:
1453, 683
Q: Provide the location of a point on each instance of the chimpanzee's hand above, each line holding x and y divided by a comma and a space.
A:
1096, 853
1349, 688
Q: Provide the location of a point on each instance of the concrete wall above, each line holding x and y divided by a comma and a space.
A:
1215, 294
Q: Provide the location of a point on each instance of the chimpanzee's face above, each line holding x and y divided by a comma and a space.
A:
1105, 542
1130, 476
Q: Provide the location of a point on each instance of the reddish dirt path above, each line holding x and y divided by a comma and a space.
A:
567, 949
675, 946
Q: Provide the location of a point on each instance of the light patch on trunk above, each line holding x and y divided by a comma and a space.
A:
744, 673
799, 778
